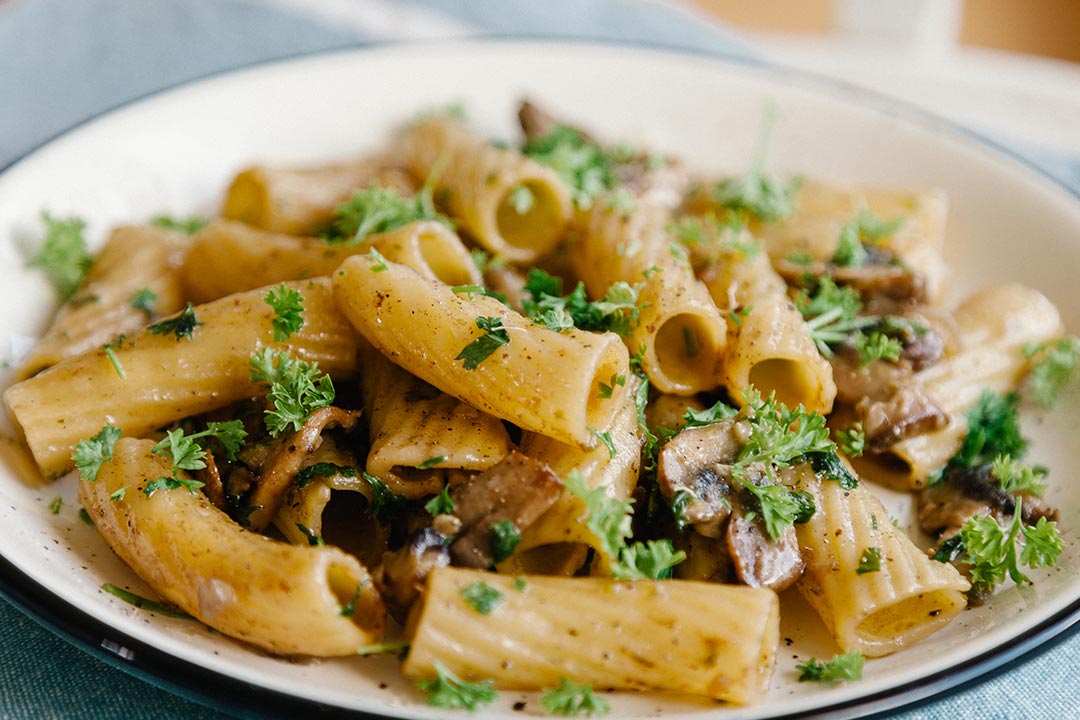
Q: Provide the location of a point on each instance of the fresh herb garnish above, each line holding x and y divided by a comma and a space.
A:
607, 388
1052, 364
313, 538
990, 549
145, 603
56, 504
869, 561
144, 300
118, 494
505, 538
182, 325
447, 690
649, 560
323, 469
617, 311
832, 467
288, 306
384, 501
1014, 477
296, 388
110, 352
581, 163
187, 454
993, 430
441, 504
756, 193
63, 254
188, 226
848, 666
91, 454
521, 198
573, 700
852, 440
478, 350
379, 210
865, 228
481, 597
431, 462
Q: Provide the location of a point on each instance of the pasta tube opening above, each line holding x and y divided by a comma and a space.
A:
535, 225
683, 342
247, 199
444, 255
909, 620
791, 380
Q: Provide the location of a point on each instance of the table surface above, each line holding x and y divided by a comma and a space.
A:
1032, 107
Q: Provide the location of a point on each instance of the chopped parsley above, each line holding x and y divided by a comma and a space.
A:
505, 538
581, 163
481, 348
431, 462
182, 325
607, 388
349, 608
384, 501
877, 346
171, 482
869, 561
1013, 477
323, 469
573, 700
447, 690
756, 193
85, 517
621, 200
481, 597
864, 228
848, 666
605, 438
145, 603
852, 440
118, 494
91, 454
993, 430
1051, 364
110, 352
521, 198
187, 454
832, 314
833, 468
441, 504
649, 560
379, 210
144, 300
63, 254
296, 388
617, 311
188, 226
288, 306
56, 504
780, 507
313, 538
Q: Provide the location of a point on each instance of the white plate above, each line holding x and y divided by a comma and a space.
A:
175, 152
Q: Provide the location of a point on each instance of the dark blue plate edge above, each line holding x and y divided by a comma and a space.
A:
246, 700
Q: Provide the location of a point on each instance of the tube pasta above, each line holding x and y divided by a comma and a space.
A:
616, 472
541, 380
672, 635
875, 613
281, 597
768, 344
228, 257
680, 330
302, 201
476, 180
166, 378
419, 434
822, 209
995, 324
135, 258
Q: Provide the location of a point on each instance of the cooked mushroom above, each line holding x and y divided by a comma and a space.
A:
888, 398
881, 276
698, 461
965, 493
400, 576
277, 475
759, 560
517, 488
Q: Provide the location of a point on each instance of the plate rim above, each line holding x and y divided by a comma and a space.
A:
148, 663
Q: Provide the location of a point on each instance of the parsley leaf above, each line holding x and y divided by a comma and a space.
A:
431, 462
572, 700
478, 350
756, 193
505, 538
1052, 364
607, 388
171, 483
379, 210
608, 518
581, 163
447, 690
832, 467
651, 560
296, 388
56, 504
91, 454
313, 538
110, 349
993, 429
852, 440
521, 198
780, 435
869, 561
441, 504
188, 226
877, 346
288, 306
990, 549
63, 254
832, 314
182, 325
1014, 477
323, 469
187, 454
481, 597
384, 501
779, 507
848, 666
865, 227
145, 603
144, 300
617, 311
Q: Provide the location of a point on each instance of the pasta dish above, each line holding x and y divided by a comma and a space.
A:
557, 415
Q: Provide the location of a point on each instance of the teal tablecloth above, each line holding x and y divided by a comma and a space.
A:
62, 61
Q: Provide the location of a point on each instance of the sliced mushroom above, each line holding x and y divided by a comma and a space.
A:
698, 461
535, 122
277, 475
882, 276
759, 560
887, 397
962, 494
401, 574
517, 488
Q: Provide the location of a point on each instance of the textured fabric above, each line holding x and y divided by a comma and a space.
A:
64, 60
